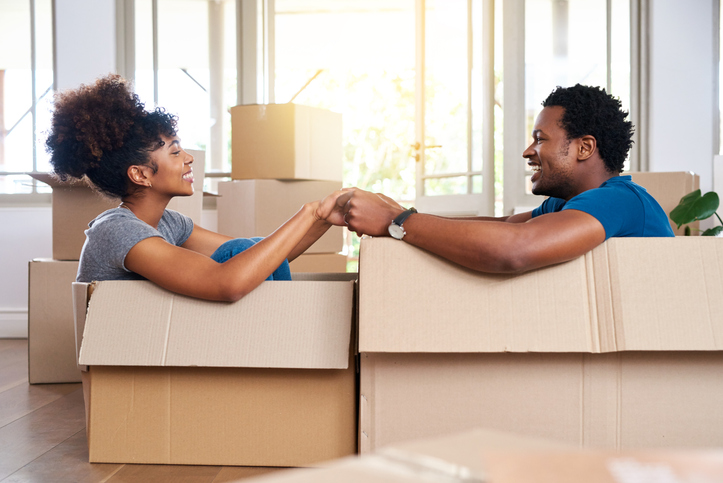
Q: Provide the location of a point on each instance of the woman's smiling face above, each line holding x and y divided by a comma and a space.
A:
174, 175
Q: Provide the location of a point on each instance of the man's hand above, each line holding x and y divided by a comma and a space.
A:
369, 213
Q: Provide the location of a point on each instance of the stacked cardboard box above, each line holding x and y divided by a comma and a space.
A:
668, 188
283, 155
51, 341
269, 380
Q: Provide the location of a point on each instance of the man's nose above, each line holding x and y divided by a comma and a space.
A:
529, 152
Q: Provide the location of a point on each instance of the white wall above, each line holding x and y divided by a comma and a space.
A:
26, 234
682, 88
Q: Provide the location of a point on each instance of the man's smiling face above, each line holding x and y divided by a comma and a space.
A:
552, 156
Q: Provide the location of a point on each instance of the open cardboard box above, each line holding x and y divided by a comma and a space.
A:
267, 381
286, 141
621, 348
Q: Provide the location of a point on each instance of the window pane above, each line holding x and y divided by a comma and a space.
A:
446, 84
183, 76
16, 97
565, 44
445, 186
366, 53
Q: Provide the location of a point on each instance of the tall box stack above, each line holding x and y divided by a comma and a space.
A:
51, 337
283, 155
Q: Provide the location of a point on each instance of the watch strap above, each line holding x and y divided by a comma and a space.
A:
403, 216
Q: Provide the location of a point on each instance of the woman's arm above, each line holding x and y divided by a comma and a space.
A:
205, 241
185, 271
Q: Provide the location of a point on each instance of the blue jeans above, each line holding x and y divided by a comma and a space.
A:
236, 246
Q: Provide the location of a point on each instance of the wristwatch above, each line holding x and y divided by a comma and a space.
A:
395, 229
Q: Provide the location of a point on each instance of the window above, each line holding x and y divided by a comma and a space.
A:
26, 90
184, 59
481, 70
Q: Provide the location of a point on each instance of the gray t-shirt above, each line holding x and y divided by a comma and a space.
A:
113, 233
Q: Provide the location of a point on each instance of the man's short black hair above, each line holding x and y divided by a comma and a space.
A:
592, 111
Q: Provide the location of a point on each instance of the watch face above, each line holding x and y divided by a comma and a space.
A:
396, 231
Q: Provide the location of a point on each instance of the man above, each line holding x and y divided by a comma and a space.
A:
579, 144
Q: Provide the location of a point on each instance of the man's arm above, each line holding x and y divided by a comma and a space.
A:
497, 247
488, 246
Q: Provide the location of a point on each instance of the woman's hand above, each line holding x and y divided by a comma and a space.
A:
331, 209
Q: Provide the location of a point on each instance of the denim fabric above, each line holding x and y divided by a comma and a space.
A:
238, 245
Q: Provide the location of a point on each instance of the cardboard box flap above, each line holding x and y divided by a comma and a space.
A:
666, 292
279, 324
643, 294
51, 180
413, 301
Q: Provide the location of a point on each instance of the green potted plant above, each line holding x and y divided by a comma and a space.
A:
695, 206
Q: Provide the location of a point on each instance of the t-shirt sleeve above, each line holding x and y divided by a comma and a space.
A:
619, 211
178, 227
115, 236
550, 205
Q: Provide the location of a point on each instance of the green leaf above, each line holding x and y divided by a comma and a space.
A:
687, 230
715, 231
694, 207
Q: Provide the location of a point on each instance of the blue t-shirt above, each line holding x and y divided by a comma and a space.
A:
621, 206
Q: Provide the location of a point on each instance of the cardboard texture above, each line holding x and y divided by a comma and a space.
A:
619, 348
51, 341
319, 263
286, 141
75, 204
668, 188
480, 456
265, 381
248, 208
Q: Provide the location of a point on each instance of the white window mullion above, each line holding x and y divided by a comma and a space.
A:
488, 108
514, 105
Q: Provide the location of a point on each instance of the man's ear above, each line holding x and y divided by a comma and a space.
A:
586, 147
139, 175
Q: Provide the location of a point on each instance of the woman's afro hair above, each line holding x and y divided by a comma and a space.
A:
591, 111
100, 130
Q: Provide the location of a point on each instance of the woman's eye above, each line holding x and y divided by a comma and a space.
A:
177, 153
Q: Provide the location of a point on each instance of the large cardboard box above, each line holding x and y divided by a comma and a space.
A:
480, 456
257, 207
319, 263
621, 348
75, 204
668, 188
285, 141
265, 381
51, 337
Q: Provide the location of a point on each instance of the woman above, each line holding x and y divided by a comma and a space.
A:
102, 132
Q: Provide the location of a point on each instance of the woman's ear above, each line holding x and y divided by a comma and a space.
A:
139, 175
587, 147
